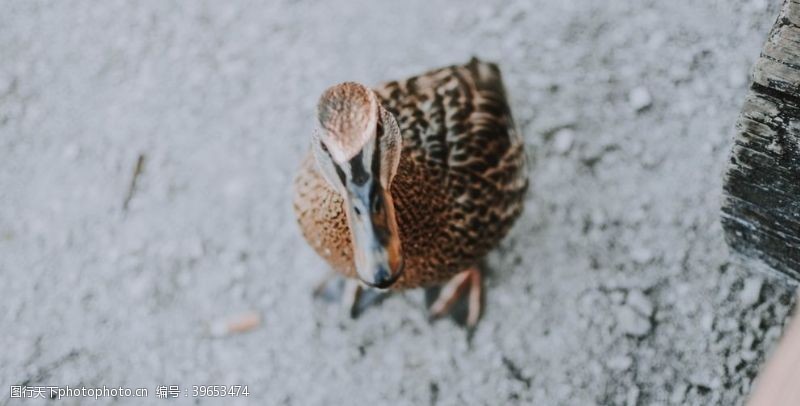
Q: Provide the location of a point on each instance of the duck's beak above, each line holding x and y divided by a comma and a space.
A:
376, 243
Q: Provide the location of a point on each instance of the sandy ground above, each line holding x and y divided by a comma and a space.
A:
615, 287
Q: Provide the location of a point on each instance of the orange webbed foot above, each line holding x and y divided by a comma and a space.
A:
468, 282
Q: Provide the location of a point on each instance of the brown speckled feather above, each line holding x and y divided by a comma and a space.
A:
460, 183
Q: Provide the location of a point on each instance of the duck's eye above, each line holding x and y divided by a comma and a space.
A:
376, 203
340, 174
379, 129
358, 212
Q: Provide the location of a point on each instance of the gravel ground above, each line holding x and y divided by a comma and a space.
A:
615, 287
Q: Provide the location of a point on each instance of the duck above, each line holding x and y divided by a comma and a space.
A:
411, 183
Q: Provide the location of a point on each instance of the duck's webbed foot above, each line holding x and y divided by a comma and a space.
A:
467, 283
351, 294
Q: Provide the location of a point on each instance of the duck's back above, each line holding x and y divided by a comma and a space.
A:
456, 123
457, 120
461, 180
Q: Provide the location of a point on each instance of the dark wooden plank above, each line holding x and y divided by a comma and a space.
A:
761, 199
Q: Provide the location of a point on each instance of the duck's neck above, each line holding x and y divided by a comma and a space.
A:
418, 191
407, 174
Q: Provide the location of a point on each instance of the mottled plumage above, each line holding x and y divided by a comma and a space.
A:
459, 184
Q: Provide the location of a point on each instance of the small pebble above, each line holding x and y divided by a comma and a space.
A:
758, 5
749, 356
639, 98
71, 152
707, 322
701, 378
751, 291
657, 40
620, 363
639, 301
641, 255
235, 188
633, 396
562, 141
633, 323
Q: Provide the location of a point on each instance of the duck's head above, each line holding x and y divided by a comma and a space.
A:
357, 148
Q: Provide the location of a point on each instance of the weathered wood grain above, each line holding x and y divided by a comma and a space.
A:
761, 199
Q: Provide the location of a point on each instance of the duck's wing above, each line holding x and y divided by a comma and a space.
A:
456, 121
